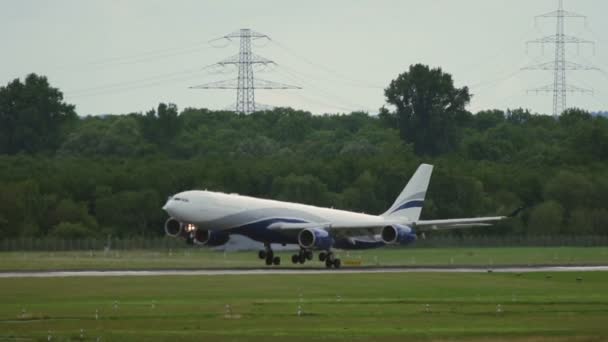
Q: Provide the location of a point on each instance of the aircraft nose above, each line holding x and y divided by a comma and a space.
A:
168, 205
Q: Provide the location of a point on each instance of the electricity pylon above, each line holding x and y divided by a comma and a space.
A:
559, 65
245, 83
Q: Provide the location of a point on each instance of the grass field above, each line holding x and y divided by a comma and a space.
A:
204, 258
341, 307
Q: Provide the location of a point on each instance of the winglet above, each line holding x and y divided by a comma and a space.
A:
516, 212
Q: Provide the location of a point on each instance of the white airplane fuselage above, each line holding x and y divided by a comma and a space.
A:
219, 211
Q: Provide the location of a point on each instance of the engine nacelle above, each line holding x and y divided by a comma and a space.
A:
312, 238
173, 227
398, 234
210, 238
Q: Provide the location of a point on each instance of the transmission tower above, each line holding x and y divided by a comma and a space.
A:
245, 84
559, 65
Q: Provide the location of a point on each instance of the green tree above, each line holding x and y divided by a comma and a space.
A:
69, 230
160, 126
258, 146
131, 213
581, 222
69, 211
21, 209
110, 136
572, 116
429, 108
32, 115
569, 189
362, 195
486, 119
302, 189
546, 218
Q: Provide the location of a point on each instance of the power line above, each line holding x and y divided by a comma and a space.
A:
124, 88
333, 80
141, 57
322, 92
323, 67
134, 83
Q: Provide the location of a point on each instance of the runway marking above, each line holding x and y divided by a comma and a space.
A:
270, 271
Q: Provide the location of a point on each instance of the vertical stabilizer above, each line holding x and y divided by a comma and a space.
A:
410, 201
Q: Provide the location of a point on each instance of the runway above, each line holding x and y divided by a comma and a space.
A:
294, 271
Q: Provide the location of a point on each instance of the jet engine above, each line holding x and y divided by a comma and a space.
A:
173, 227
398, 234
315, 238
210, 238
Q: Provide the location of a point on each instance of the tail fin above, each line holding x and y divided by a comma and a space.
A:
410, 201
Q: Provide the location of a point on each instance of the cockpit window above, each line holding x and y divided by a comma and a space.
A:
181, 199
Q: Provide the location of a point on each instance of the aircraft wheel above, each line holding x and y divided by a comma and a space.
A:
328, 263
295, 258
308, 255
337, 263
276, 261
301, 259
262, 254
322, 256
268, 261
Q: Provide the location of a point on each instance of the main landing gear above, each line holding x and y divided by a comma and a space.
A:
268, 254
330, 259
302, 256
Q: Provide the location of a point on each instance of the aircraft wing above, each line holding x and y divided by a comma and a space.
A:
338, 229
423, 225
373, 227
332, 225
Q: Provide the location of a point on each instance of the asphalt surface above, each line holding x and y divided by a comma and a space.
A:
273, 271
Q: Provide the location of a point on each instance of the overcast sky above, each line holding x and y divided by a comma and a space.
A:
127, 56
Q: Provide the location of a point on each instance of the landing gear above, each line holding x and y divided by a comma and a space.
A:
268, 255
322, 256
302, 256
330, 260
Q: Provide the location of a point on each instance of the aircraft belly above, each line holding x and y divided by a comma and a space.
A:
352, 244
259, 231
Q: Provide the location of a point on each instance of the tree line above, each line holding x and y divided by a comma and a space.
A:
65, 175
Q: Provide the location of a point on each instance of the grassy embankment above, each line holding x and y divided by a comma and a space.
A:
204, 258
343, 307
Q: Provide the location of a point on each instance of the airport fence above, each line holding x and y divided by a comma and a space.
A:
439, 241
442, 241
52, 244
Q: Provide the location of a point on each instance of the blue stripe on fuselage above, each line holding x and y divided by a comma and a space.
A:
259, 231
409, 204
357, 244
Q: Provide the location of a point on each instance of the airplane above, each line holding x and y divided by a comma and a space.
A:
209, 218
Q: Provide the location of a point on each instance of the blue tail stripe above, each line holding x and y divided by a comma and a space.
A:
409, 204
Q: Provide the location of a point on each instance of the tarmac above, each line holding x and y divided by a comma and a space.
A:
294, 271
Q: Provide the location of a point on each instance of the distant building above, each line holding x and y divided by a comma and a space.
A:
604, 114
